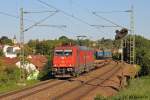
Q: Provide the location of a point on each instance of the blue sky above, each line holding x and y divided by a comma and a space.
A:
81, 9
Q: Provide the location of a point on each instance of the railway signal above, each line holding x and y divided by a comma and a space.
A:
121, 34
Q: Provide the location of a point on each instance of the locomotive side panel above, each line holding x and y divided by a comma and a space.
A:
72, 60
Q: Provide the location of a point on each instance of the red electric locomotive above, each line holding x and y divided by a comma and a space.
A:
72, 60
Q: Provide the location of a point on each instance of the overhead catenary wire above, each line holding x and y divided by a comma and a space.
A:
9, 15
74, 17
93, 13
99, 27
26, 12
39, 22
96, 14
108, 20
65, 13
29, 20
68, 14
115, 11
103, 26
15, 16
46, 25
46, 11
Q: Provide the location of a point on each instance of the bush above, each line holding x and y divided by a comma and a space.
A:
116, 56
143, 54
9, 74
1, 52
46, 71
99, 97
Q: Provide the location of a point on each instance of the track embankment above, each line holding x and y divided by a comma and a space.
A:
106, 80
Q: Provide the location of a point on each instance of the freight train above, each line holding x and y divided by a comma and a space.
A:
72, 60
103, 54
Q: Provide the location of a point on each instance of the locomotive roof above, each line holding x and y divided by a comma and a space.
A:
76, 46
85, 48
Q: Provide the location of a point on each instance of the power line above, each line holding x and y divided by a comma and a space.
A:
116, 11
56, 26
65, 13
95, 13
14, 16
28, 12
17, 17
9, 15
37, 23
96, 26
103, 26
116, 25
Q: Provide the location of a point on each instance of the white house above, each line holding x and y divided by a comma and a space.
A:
10, 51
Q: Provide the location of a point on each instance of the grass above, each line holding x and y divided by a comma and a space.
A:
138, 89
12, 86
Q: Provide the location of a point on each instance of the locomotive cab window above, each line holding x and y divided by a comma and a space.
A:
67, 52
59, 52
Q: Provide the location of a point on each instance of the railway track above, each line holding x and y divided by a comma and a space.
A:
87, 86
29, 91
99, 84
17, 95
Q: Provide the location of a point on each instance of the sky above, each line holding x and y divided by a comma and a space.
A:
76, 15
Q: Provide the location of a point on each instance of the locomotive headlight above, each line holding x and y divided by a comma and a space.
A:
69, 69
55, 69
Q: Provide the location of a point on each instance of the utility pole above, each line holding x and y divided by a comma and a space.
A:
132, 38
22, 58
22, 31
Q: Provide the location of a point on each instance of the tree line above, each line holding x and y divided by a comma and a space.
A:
46, 47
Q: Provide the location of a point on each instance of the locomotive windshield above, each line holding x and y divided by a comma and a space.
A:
63, 52
67, 52
59, 52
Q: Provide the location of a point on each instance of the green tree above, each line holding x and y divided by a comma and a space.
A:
46, 71
143, 54
65, 40
6, 40
28, 50
1, 52
32, 45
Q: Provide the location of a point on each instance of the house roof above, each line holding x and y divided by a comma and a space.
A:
38, 60
9, 61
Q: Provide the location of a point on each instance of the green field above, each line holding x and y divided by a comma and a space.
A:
138, 89
13, 86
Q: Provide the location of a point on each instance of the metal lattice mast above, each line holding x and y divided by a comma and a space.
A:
132, 38
22, 58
